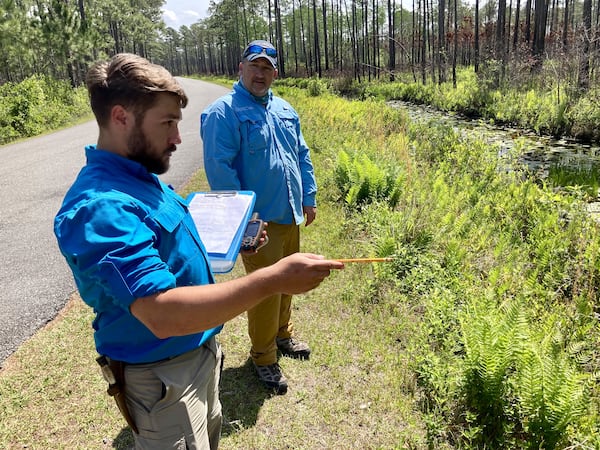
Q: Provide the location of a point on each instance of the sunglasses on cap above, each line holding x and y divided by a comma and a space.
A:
258, 49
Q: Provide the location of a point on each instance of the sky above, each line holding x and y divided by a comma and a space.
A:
177, 13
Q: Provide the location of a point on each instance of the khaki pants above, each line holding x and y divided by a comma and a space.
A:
272, 317
175, 403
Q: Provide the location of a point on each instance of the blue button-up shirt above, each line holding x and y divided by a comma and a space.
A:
127, 235
256, 147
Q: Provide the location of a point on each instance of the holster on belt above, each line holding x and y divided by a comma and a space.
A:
114, 374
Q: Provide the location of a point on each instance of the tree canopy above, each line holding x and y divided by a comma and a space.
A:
363, 39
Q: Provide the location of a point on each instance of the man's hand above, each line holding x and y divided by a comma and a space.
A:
264, 240
302, 272
310, 212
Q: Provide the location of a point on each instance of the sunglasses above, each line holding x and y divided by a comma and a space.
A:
257, 50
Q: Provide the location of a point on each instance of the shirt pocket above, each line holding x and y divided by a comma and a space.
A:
256, 135
288, 120
178, 247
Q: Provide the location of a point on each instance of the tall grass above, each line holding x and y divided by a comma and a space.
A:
536, 104
499, 267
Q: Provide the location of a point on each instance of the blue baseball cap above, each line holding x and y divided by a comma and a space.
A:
260, 49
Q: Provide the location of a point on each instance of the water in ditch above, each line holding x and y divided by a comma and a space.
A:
541, 154
565, 162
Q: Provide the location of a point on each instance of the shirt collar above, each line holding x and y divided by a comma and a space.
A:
118, 163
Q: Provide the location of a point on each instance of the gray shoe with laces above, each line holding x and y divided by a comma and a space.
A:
293, 348
272, 377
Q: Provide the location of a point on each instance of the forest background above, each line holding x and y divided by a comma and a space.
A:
531, 63
488, 318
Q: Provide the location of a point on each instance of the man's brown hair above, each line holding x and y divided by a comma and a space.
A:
130, 81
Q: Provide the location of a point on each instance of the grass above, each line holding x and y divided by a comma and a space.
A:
585, 178
51, 395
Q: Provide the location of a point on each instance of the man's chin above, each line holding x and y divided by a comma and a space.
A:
159, 167
161, 170
260, 92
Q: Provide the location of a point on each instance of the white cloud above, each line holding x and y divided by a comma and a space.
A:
177, 13
169, 16
193, 14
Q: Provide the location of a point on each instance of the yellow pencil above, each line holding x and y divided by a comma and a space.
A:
364, 260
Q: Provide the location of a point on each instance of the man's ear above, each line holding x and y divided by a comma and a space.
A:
119, 116
275, 73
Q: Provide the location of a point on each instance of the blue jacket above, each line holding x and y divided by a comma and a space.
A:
250, 146
127, 235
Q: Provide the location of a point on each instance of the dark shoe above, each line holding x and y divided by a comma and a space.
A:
272, 377
293, 348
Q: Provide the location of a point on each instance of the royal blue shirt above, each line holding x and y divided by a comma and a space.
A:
260, 148
126, 235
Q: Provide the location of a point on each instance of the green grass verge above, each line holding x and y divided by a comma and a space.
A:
350, 394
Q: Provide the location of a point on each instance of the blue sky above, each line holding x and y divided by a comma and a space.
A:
177, 13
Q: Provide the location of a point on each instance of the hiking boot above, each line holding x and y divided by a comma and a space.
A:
272, 377
293, 348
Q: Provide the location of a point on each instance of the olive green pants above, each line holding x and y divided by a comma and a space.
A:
272, 317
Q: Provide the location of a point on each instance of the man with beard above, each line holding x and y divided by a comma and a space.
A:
138, 261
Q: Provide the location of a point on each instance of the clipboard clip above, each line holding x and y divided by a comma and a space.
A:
220, 194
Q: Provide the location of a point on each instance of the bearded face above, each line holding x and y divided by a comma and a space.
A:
141, 149
155, 134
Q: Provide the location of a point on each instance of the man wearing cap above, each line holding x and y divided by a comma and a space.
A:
252, 141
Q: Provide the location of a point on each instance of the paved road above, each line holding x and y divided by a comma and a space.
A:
35, 282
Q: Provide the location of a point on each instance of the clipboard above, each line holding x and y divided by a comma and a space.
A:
221, 218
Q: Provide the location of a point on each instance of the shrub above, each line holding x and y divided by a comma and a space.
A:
38, 104
584, 117
26, 101
348, 87
316, 87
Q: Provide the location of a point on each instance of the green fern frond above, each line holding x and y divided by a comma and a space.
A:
342, 169
362, 181
551, 394
494, 339
385, 246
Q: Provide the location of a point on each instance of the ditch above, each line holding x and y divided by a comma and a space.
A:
564, 162
539, 153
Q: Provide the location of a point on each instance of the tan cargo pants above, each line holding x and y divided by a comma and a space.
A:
175, 403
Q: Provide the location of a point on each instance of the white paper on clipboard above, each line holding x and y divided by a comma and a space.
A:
218, 217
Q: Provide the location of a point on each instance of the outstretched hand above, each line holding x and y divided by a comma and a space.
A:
302, 272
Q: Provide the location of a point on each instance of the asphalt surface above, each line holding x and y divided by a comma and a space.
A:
35, 281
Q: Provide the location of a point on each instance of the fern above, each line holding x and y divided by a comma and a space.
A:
342, 169
362, 181
514, 379
493, 340
550, 391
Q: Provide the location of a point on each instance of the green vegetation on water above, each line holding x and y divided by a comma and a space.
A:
482, 333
